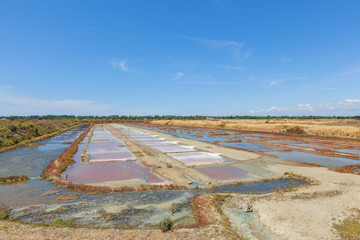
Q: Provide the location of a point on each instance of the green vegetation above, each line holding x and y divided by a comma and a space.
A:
63, 223
349, 228
14, 131
13, 179
4, 213
166, 224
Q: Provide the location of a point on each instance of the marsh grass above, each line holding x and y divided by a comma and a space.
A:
349, 228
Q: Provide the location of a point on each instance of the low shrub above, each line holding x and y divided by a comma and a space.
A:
349, 228
64, 223
295, 130
4, 213
166, 224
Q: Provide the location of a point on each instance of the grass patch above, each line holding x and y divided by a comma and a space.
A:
317, 194
4, 213
64, 223
166, 224
349, 228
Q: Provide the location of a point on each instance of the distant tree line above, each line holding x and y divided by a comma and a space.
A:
170, 117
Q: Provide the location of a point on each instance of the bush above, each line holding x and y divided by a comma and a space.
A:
296, 130
166, 224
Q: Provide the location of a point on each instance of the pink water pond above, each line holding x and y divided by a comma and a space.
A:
97, 173
225, 173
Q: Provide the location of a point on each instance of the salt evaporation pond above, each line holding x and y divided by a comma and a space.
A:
352, 151
315, 159
42, 202
31, 160
252, 146
224, 173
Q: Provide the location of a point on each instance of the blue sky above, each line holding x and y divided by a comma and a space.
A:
180, 57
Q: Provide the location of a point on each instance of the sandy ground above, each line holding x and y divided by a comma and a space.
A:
17, 231
309, 212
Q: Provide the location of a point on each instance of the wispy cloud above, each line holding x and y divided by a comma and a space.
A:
14, 104
352, 71
273, 83
218, 3
285, 59
120, 65
347, 107
229, 67
178, 75
234, 46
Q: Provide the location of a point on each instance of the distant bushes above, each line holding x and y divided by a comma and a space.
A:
17, 131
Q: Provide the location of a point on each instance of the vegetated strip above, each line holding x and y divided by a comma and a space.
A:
64, 160
54, 170
13, 179
36, 139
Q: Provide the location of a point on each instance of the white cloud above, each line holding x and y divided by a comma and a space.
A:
120, 65
13, 104
348, 107
179, 75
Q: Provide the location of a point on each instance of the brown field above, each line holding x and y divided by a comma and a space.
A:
349, 128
